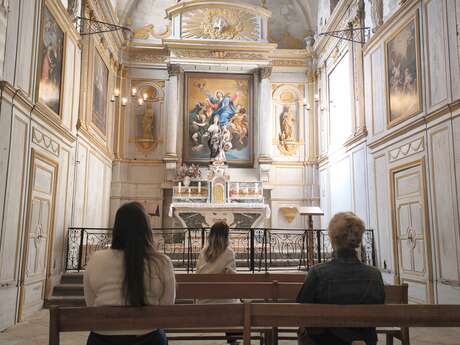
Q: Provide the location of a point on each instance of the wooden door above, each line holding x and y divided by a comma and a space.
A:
411, 231
38, 235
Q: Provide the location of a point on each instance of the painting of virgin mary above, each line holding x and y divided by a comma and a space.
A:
51, 56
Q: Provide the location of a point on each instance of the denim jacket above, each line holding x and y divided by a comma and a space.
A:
343, 280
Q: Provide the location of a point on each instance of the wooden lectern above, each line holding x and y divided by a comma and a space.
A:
310, 211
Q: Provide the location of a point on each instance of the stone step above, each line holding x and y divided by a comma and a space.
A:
68, 290
72, 278
65, 301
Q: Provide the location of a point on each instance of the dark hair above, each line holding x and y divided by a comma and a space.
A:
132, 234
217, 241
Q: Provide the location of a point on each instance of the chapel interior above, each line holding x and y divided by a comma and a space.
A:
269, 115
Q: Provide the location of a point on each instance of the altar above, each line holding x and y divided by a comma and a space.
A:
200, 203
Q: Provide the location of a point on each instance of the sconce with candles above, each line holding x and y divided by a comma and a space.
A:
134, 94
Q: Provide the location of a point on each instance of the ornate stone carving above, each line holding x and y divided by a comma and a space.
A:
145, 56
377, 14
174, 70
289, 213
217, 54
220, 24
406, 150
148, 32
45, 142
265, 72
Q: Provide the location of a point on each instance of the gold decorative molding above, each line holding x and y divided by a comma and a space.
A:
148, 32
146, 56
407, 150
289, 213
216, 54
45, 142
220, 24
190, 5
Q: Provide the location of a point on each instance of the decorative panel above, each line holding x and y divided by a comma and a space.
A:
12, 222
360, 191
383, 213
341, 182
378, 91
444, 203
340, 105
436, 52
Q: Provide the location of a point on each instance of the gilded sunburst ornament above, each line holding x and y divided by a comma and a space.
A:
220, 24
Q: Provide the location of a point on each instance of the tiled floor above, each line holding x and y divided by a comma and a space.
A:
35, 332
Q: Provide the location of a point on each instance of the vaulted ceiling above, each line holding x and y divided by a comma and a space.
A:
291, 20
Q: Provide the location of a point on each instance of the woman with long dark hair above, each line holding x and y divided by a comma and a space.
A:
217, 257
131, 273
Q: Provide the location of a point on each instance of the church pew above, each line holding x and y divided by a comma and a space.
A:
249, 316
281, 292
224, 316
240, 277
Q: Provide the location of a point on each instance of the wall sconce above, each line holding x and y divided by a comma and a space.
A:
306, 104
133, 92
116, 92
140, 101
316, 97
112, 99
145, 96
124, 101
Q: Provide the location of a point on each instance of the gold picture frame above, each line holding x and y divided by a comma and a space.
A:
202, 88
402, 79
45, 85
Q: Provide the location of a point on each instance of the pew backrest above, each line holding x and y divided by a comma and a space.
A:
273, 291
240, 277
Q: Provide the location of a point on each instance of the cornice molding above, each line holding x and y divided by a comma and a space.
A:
193, 4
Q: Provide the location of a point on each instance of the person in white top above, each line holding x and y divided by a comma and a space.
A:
216, 258
131, 273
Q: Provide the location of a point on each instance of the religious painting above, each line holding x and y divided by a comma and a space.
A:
403, 73
51, 58
218, 124
101, 74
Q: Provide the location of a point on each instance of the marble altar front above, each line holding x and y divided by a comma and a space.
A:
236, 215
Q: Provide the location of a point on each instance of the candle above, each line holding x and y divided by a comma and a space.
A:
145, 96
133, 91
116, 92
180, 187
199, 187
124, 101
189, 191
257, 189
140, 101
237, 188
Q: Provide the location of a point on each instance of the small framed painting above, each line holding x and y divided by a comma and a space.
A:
402, 56
99, 109
51, 52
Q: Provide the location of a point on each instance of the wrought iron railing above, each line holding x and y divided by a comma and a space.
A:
258, 249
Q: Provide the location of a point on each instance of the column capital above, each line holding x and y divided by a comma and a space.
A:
174, 70
265, 72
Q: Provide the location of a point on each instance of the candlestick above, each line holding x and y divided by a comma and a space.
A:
199, 187
237, 188
180, 187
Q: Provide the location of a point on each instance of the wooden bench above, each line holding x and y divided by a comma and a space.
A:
248, 316
280, 292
